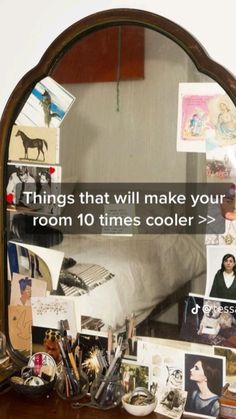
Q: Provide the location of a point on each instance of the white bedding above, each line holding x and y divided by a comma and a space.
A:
146, 270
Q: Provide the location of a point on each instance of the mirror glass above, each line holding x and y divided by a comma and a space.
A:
120, 129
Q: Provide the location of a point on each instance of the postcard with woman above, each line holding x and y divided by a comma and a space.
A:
33, 187
34, 145
221, 272
195, 124
222, 113
47, 105
204, 377
209, 321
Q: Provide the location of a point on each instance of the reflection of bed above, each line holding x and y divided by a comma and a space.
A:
147, 269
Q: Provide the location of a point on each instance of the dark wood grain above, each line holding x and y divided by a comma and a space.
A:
13, 406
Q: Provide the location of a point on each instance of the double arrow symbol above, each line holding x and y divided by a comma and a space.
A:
204, 219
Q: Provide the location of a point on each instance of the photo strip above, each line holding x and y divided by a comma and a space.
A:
33, 187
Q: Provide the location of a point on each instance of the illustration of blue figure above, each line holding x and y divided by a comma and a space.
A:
25, 290
226, 122
195, 124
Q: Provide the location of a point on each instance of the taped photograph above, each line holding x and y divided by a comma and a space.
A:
34, 145
46, 106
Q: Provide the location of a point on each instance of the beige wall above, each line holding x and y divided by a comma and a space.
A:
138, 143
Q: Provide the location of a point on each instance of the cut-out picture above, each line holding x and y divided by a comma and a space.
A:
195, 125
24, 287
34, 145
209, 321
204, 379
33, 187
134, 375
221, 272
46, 106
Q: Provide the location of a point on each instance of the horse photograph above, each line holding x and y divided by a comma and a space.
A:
34, 145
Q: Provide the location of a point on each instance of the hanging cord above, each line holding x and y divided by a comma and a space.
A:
118, 69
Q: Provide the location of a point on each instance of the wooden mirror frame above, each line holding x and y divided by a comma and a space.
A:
45, 67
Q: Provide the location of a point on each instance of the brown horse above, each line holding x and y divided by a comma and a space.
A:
32, 143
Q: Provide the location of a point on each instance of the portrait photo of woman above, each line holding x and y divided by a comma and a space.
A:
221, 272
203, 382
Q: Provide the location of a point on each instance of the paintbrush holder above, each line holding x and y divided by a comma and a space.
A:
106, 394
69, 387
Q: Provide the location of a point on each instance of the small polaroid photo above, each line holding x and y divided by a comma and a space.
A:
34, 145
194, 125
171, 403
221, 272
89, 323
47, 105
204, 377
33, 187
133, 375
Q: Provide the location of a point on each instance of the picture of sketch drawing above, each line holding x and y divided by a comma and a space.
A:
48, 311
20, 324
33, 144
46, 106
171, 403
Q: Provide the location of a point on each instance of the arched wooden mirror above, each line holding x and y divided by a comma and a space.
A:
124, 69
